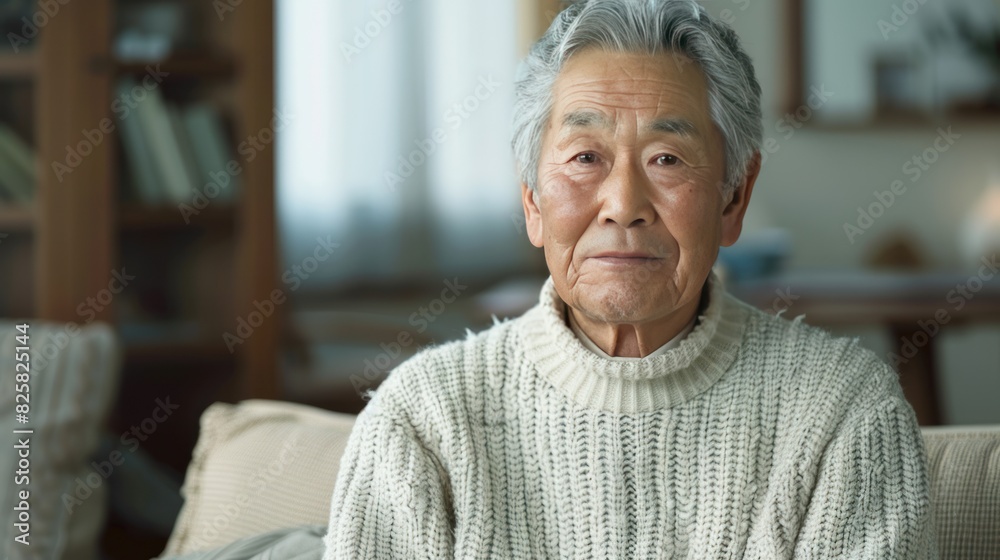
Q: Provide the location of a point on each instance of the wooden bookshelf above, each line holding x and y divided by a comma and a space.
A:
20, 66
77, 222
81, 227
178, 352
185, 65
138, 217
16, 218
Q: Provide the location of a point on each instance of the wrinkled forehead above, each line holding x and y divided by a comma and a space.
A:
663, 92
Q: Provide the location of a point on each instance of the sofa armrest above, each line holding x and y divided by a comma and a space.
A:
964, 472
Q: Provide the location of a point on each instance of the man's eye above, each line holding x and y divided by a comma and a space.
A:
586, 157
667, 159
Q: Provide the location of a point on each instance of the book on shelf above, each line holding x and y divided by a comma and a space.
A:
17, 167
157, 134
139, 158
171, 152
206, 134
190, 166
201, 281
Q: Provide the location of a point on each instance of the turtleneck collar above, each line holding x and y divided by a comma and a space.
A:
654, 382
593, 347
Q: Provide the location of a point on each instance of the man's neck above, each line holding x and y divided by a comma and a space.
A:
636, 340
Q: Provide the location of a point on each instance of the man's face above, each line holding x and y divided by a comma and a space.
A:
629, 206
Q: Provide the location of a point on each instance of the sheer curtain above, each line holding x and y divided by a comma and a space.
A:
398, 142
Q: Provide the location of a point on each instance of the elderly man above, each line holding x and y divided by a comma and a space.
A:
638, 411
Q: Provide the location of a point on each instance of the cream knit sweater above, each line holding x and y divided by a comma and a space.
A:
756, 437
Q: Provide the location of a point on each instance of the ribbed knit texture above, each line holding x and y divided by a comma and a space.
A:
756, 437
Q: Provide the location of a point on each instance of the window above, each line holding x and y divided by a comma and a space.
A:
398, 143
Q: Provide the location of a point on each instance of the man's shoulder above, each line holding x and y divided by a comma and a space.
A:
816, 382
808, 355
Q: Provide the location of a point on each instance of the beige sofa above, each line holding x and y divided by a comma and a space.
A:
263, 465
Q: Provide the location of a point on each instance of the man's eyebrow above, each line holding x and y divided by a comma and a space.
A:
594, 119
678, 126
586, 119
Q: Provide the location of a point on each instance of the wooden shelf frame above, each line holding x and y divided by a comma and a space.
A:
138, 217
75, 244
77, 222
185, 65
20, 66
16, 219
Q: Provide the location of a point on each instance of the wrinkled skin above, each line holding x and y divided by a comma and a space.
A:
630, 207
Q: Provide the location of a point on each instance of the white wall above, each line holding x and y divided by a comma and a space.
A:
817, 179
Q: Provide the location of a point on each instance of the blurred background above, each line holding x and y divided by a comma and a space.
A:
285, 199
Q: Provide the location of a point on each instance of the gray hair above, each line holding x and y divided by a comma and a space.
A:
650, 26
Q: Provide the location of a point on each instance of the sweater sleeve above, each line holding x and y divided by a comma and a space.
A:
391, 496
871, 499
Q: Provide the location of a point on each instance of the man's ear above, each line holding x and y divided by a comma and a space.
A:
532, 215
736, 208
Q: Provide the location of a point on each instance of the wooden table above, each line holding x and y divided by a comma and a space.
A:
914, 307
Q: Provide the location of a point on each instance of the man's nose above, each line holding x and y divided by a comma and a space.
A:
625, 196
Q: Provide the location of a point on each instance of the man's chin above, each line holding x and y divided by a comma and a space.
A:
617, 304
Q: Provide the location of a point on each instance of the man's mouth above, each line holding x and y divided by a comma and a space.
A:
624, 258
